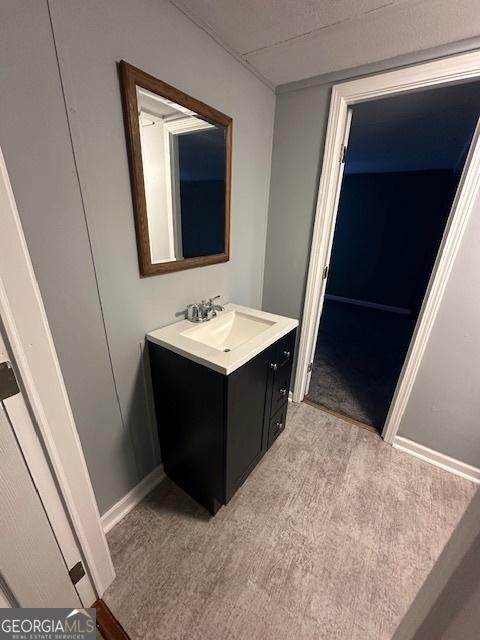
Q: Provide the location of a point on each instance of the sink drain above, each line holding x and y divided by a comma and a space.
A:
226, 350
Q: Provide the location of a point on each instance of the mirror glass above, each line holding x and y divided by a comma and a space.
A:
184, 172
179, 152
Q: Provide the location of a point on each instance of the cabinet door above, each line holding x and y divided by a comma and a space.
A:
283, 371
247, 387
277, 424
190, 410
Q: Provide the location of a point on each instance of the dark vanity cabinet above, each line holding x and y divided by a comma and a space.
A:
214, 428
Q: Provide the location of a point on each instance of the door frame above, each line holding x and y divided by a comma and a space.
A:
34, 357
440, 72
171, 129
19, 417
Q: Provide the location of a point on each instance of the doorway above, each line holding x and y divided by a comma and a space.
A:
402, 167
445, 73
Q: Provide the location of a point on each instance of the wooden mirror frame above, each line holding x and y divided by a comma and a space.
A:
130, 78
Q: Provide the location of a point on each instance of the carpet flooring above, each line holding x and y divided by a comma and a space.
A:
358, 359
330, 538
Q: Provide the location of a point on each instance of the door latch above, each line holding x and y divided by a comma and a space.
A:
8, 382
76, 573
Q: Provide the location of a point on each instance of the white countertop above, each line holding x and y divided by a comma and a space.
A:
173, 337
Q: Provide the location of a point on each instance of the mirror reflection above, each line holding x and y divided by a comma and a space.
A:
183, 158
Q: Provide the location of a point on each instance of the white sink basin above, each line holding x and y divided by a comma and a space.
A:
226, 342
228, 331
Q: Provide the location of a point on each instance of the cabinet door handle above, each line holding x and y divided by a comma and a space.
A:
279, 425
286, 354
283, 392
273, 366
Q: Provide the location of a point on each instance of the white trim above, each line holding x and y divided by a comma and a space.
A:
31, 448
144, 114
370, 305
321, 240
172, 197
403, 60
152, 206
150, 95
328, 198
30, 340
173, 128
439, 72
438, 459
177, 125
121, 508
456, 225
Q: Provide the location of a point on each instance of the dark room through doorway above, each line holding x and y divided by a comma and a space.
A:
403, 164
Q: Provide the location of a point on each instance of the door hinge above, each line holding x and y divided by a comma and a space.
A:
343, 154
310, 367
8, 382
325, 272
76, 573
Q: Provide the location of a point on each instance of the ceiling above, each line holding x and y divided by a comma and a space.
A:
157, 105
288, 40
154, 104
429, 129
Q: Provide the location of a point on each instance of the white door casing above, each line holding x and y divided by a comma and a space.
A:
58, 452
462, 206
25, 433
32, 569
171, 130
440, 72
328, 240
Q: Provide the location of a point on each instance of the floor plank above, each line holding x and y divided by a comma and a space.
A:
330, 537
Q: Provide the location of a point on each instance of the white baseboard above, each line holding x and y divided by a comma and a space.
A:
131, 499
371, 305
438, 459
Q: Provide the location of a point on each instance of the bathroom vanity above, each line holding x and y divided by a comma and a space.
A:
221, 392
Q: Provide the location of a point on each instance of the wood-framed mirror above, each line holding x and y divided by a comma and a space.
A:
180, 172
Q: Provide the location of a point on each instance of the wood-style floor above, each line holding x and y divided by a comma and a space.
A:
330, 538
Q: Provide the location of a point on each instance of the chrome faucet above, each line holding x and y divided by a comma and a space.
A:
203, 311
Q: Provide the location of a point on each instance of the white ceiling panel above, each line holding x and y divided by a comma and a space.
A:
401, 29
249, 25
288, 40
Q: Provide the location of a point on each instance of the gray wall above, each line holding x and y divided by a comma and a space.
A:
444, 407
35, 141
443, 411
100, 309
298, 140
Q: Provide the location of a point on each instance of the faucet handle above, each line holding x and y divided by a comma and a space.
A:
216, 307
201, 311
191, 312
